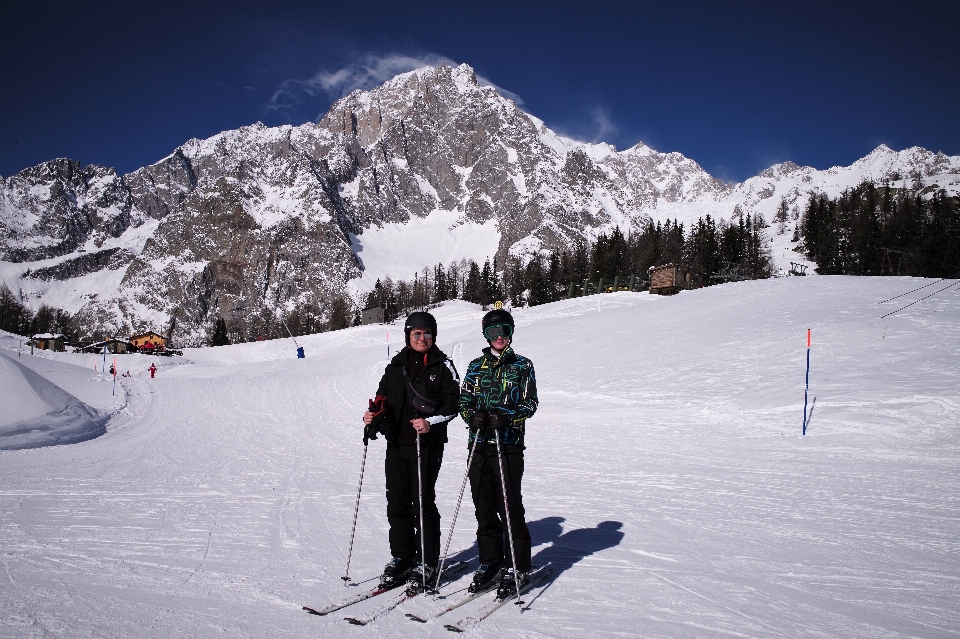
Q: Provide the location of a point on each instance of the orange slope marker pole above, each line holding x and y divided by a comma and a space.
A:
807, 388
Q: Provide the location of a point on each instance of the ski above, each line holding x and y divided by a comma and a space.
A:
453, 606
363, 596
469, 622
410, 593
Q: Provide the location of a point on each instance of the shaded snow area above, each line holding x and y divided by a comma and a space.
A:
37, 412
666, 481
401, 250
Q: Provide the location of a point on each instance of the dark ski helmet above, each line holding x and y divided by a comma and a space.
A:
420, 318
495, 317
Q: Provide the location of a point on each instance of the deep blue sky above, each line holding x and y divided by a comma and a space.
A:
736, 86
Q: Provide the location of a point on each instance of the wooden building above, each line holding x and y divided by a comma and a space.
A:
372, 315
115, 346
48, 342
668, 279
149, 341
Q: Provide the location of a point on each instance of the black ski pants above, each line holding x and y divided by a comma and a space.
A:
488, 500
403, 507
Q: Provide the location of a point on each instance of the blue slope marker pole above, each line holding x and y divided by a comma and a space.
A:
807, 388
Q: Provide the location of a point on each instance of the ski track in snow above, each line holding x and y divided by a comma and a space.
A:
667, 483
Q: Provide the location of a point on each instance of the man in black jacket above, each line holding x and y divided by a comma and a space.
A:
421, 389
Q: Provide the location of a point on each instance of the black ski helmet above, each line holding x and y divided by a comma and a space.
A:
496, 316
420, 318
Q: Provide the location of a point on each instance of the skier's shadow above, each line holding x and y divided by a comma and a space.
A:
565, 549
568, 548
542, 531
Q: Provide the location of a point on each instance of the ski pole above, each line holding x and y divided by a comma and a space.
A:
423, 543
356, 509
456, 512
506, 511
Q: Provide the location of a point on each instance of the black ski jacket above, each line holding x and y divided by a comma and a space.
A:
437, 381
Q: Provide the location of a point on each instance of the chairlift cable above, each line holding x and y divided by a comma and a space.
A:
920, 300
918, 289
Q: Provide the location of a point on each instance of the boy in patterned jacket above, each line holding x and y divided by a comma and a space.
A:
498, 395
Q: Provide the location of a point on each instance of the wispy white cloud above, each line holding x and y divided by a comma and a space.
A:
366, 72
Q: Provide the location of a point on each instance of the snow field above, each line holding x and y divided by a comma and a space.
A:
666, 479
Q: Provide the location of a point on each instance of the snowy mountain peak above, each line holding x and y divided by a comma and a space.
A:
261, 220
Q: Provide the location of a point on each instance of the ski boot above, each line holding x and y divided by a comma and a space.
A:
485, 577
415, 578
510, 582
395, 573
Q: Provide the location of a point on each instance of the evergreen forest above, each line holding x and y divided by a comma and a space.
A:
879, 230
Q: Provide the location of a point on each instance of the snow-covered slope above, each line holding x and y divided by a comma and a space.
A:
666, 479
271, 219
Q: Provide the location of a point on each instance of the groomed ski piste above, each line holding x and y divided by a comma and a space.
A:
667, 483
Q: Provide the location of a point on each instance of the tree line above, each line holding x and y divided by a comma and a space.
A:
265, 324
877, 230
16, 317
546, 277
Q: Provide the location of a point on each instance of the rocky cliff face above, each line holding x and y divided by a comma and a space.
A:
269, 218
58, 208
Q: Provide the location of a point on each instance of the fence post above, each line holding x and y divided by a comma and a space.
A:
632, 279
600, 286
570, 291
586, 291
616, 284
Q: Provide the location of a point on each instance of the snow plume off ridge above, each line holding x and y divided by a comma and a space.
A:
267, 220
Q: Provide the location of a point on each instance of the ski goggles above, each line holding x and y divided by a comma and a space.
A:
497, 330
420, 335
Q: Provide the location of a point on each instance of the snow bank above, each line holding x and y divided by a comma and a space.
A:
38, 413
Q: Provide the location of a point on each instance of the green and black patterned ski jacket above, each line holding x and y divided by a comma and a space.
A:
506, 384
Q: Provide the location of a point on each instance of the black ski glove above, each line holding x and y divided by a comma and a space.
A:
499, 421
478, 421
378, 407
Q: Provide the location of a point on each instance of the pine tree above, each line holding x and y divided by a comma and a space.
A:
487, 284
471, 289
340, 313
440, 290
516, 282
781, 216
536, 282
581, 262
220, 337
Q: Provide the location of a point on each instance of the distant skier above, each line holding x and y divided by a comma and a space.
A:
499, 394
153, 370
420, 386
